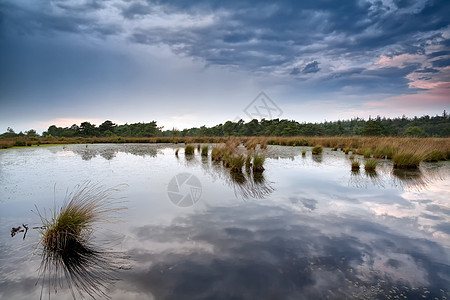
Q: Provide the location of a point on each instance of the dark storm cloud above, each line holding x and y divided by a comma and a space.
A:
318, 47
311, 68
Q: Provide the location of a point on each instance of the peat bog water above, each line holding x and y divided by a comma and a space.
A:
307, 228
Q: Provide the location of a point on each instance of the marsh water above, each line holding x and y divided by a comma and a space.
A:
307, 228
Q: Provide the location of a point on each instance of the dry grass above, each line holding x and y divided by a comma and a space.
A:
380, 147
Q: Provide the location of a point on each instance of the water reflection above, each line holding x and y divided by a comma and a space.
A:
249, 184
108, 152
320, 231
283, 254
317, 158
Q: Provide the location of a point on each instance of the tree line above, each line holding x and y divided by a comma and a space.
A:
435, 126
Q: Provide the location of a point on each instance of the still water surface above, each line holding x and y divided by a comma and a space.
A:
308, 228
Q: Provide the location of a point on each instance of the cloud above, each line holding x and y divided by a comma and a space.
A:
312, 67
55, 53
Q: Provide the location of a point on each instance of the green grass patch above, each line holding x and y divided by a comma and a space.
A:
205, 150
258, 163
317, 150
406, 161
355, 165
370, 164
189, 150
435, 156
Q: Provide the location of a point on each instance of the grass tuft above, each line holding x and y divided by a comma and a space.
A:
66, 240
205, 150
370, 164
189, 150
434, 156
258, 163
355, 165
317, 150
406, 161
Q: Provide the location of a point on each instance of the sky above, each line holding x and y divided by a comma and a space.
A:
192, 63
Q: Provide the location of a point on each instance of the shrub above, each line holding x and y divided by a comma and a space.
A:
20, 143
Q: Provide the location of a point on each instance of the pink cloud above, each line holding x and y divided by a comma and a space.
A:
437, 97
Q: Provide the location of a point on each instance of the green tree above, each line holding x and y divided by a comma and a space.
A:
372, 128
415, 131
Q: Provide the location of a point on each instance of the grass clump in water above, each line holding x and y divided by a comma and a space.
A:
234, 162
367, 153
304, 153
189, 150
176, 152
216, 154
317, 150
434, 156
406, 161
355, 165
370, 164
205, 150
258, 163
66, 240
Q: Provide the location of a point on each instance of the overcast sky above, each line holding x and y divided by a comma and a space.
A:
192, 63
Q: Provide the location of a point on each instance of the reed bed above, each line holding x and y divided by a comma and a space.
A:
380, 147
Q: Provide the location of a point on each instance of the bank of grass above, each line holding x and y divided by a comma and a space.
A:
407, 160
380, 147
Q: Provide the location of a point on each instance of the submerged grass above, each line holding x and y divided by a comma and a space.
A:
68, 253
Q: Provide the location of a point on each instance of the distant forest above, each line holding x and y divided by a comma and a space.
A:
437, 126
